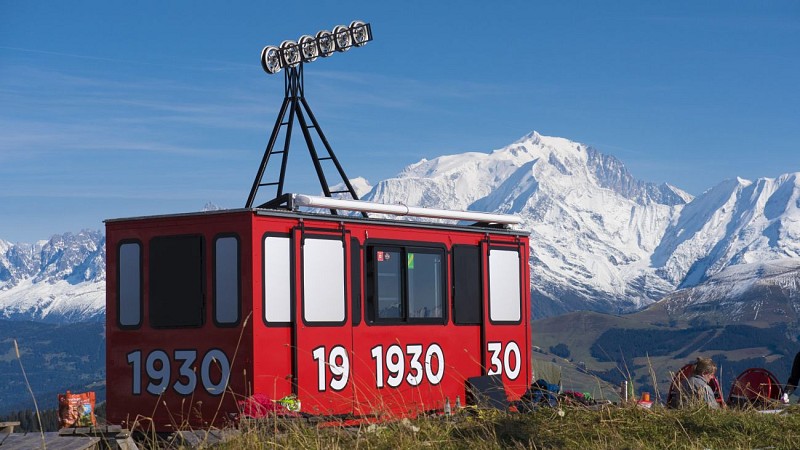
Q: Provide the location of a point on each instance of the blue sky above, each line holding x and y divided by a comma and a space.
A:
116, 109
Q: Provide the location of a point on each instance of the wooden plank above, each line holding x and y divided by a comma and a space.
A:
203, 438
52, 441
126, 443
112, 436
8, 427
112, 430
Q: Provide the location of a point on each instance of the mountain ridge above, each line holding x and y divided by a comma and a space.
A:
55, 280
601, 239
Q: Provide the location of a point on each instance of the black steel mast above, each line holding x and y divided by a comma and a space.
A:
296, 107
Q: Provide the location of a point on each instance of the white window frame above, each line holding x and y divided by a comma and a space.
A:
277, 279
323, 281
505, 298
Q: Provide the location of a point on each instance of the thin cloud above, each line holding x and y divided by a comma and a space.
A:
110, 115
204, 65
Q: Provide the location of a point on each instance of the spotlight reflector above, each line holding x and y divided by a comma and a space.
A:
343, 38
271, 59
360, 33
308, 48
325, 43
291, 53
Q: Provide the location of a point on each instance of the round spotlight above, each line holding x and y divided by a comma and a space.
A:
291, 53
271, 59
360, 33
308, 48
325, 43
342, 37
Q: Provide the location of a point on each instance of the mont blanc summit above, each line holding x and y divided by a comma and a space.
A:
601, 239
593, 226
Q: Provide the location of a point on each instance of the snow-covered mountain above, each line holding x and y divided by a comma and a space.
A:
735, 251
761, 293
600, 239
61, 279
736, 222
593, 226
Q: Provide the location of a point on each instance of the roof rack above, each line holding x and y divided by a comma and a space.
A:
294, 201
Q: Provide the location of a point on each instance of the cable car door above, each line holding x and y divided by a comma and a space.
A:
504, 331
322, 334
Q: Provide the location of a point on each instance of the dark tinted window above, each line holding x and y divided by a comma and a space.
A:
355, 279
226, 280
129, 284
467, 284
406, 284
390, 284
176, 282
425, 284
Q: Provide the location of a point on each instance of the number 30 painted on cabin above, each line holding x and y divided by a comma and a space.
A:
498, 366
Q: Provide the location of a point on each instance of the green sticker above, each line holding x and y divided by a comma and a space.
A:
410, 260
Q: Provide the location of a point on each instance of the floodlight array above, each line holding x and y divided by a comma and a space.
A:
308, 48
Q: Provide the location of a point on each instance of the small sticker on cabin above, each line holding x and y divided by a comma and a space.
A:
380, 256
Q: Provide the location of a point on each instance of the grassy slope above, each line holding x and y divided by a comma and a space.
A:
580, 330
573, 428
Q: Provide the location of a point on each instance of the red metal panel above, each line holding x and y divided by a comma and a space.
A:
506, 346
405, 370
400, 369
272, 351
322, 353
176, 377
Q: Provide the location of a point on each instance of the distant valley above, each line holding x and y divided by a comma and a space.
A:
56, 357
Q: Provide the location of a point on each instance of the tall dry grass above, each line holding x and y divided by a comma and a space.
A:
609, 427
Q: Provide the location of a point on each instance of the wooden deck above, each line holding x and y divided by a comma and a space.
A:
102, 438
52, 441
88, 438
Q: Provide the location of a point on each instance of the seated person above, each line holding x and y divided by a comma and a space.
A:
695, 389
794, 378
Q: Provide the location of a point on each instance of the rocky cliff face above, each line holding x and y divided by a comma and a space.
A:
55, 280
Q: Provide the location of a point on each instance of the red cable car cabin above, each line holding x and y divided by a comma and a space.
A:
354, 316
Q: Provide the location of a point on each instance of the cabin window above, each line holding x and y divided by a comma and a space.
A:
323, 281
467, 284
129, 284
389, 284
406, 284
504, 286
226, 280
277, 280
355, 279
176, 282
425, 290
